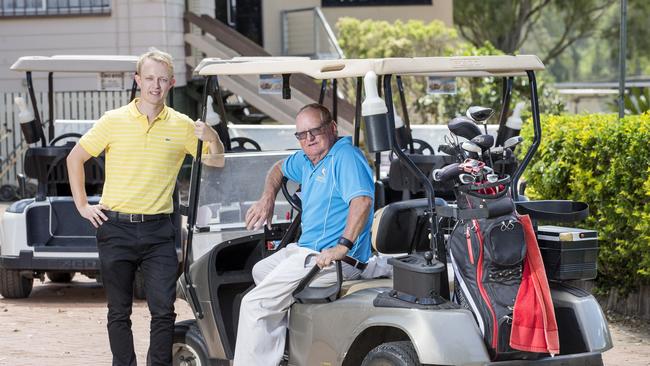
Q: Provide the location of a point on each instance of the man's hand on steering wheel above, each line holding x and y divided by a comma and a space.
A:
260, 213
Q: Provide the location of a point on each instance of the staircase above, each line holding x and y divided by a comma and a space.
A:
219, 40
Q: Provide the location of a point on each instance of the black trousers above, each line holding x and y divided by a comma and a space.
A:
122, 248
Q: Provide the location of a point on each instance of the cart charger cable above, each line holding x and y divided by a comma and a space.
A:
374, 112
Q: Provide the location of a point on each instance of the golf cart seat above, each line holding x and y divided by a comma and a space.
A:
399, 227
402, 227
47, 165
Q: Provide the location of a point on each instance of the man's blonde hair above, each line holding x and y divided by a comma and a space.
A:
158, 56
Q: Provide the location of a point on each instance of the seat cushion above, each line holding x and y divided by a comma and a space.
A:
349, 287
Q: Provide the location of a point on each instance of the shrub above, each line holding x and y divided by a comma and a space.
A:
605, 162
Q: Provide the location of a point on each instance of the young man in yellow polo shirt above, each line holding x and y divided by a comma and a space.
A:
145, 144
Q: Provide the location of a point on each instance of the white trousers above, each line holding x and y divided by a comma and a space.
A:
262, 325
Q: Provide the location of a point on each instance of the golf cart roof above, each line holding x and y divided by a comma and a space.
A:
76, 63
470, 66
240, 59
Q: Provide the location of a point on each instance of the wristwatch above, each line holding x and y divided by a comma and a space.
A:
345, 242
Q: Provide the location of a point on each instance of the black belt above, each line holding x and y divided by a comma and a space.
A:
133, 218
354, 263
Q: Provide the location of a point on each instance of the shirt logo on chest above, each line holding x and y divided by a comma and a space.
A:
322, 176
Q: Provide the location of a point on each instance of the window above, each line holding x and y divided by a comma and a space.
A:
19, 8
331, 3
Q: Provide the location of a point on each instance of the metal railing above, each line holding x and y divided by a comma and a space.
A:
23, 8
305, 32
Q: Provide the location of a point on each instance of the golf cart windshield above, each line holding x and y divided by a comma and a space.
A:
228, 192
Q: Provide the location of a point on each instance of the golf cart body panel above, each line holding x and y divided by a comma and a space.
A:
311, 328
343, 331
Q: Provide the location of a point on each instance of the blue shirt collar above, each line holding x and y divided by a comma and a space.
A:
338, 145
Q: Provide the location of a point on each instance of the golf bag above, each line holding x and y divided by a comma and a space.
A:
487, 249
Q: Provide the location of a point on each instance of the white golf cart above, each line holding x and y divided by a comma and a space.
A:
362, 322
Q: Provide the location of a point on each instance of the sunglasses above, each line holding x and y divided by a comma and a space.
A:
316, 131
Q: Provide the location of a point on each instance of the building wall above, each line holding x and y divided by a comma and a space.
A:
440, 10
131, 28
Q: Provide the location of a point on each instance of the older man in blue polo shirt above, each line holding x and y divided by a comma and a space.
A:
337, 199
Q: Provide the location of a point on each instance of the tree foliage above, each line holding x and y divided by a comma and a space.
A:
507, 24
370, 39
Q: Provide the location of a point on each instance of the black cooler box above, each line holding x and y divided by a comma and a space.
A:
412, 275
568, 253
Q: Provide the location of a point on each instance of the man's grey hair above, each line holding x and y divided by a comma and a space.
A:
324, 113
158, 56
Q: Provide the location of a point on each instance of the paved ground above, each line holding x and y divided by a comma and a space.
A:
65, 325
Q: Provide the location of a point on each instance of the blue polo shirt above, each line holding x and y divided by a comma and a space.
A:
327, 189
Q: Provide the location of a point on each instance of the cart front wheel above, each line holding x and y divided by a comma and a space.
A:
13, 285
392, 354
189, 347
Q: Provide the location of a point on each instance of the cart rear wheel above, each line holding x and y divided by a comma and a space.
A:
13, 285
60, 277
392, 354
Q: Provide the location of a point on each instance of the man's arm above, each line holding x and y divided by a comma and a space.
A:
357, 217
262, 210
77, 177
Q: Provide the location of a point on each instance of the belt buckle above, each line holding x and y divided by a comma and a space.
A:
133, 218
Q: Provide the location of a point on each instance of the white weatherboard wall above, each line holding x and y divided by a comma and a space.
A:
131, 28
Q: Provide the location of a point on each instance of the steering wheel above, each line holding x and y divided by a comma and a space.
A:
422, 147
241, 144
293, 199
65, 136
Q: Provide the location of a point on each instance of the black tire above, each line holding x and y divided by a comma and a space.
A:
13, 285
60, 277
138, 286
8, 193
189, 345
392, 354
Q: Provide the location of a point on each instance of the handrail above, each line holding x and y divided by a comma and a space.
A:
318, 14
328, 30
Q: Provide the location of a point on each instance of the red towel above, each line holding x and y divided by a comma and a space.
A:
534, 328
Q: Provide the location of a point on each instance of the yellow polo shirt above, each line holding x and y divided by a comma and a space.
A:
142, 159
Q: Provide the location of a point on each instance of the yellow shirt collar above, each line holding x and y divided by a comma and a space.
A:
142, 118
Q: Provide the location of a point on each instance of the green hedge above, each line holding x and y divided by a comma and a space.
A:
605, 162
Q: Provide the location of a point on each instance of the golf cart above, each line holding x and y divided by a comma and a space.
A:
46, 234
410, 319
